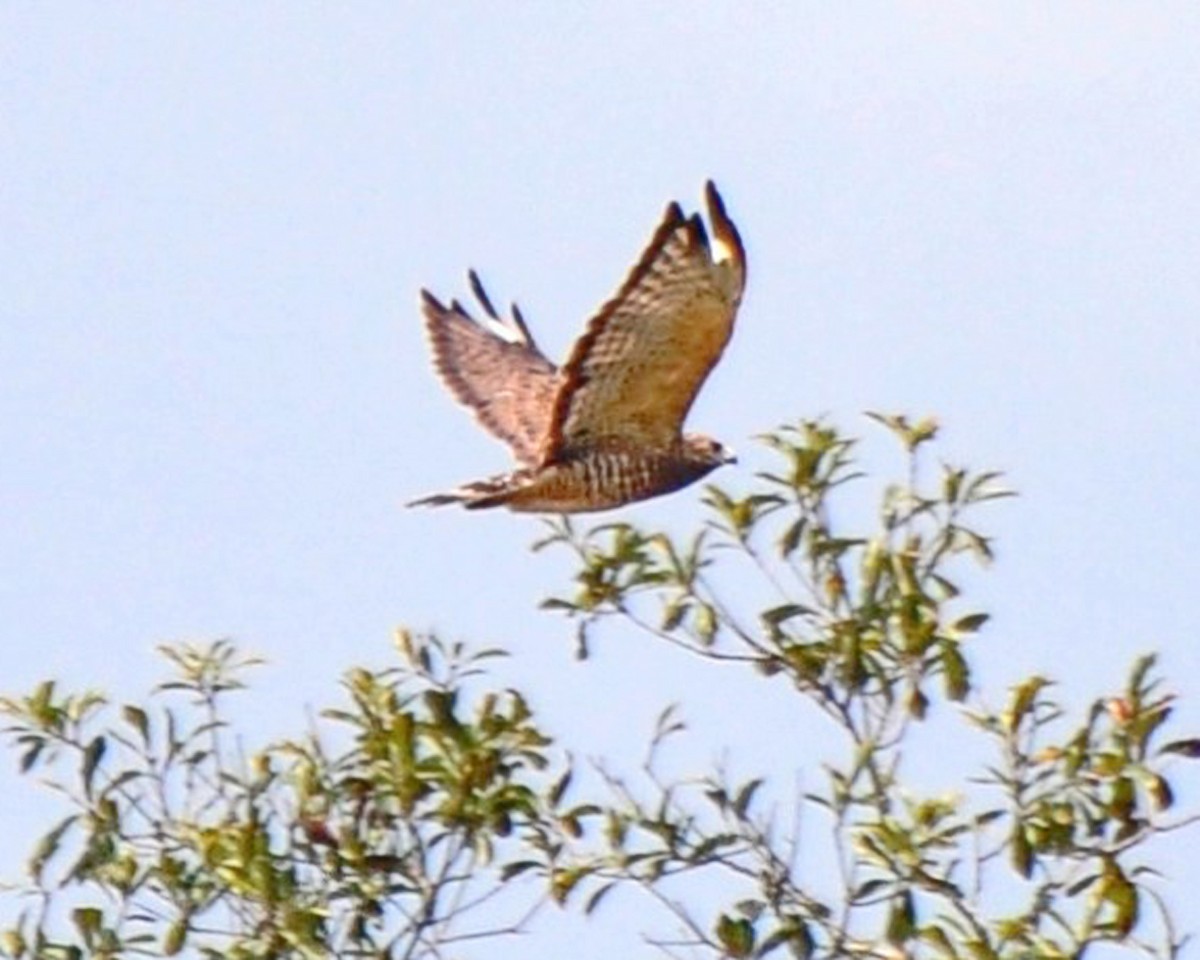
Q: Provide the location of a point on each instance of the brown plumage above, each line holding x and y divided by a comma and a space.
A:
606, 429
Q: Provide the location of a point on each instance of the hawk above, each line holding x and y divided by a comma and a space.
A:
605, 429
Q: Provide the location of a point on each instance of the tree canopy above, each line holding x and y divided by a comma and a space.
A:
429, 811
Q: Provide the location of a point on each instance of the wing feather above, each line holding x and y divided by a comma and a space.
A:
634, 374
496, 370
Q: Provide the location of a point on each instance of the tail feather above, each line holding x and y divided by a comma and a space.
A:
435, 500
477, 495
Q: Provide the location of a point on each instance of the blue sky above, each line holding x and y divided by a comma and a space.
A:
216, 393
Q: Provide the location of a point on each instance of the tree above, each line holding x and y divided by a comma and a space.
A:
431, 810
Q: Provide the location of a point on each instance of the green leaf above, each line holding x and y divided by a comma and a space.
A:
594, 900
911, 435
1022, 852
554, 603
795, 934
791, 537
1122, 803
870, 888
674, 613
562, 882
560, 788
1183, 748
1161, 794
901, 919
1079, 886
88, 921
510, 870
745, 796
777, 615
137, 718
1122, 896
1023, 698
13, 943
37, 744
970, 623
47, 847
952, 483
1144, 724
981, 488
175, 938
936, 937
955, 671
92, 755
40, 703
736, 935
917, 703
706, 623
1137, 675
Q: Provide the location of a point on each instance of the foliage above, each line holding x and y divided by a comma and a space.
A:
382, 846
410, 819
870, 628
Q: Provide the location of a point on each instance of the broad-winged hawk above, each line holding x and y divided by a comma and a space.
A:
606, 428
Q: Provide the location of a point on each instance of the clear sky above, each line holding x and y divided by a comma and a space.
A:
215, 392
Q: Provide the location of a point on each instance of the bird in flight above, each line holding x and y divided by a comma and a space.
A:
605, 429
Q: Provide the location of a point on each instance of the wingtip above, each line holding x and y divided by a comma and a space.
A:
481, 294
439, 317
724, 230
431, 306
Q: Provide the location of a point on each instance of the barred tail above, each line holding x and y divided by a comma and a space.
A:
478, 495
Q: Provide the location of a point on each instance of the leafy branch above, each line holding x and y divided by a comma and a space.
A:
429, 812
869, 626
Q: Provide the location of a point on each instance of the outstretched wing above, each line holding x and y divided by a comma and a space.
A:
495, 369
633, 375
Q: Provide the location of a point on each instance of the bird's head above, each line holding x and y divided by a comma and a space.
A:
705, 450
